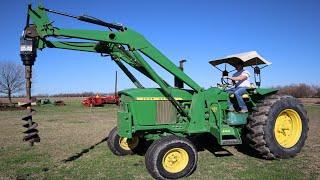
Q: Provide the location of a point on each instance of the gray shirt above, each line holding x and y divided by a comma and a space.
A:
243, 83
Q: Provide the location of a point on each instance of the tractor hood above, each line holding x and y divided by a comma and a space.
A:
155, 94
248, 58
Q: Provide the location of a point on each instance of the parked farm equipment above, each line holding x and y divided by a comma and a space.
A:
97, 100
59, 103
100, 100
275, 126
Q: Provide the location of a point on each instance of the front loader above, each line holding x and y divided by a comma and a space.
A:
275, 126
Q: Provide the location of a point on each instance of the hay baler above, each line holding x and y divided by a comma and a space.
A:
275, 126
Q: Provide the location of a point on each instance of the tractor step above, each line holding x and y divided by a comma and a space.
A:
229, 136
231, 142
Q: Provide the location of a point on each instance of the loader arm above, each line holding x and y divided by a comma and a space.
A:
135, 42
121, 43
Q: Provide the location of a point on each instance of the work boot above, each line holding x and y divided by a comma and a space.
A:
243, 111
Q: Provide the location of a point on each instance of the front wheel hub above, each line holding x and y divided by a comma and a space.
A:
128, 144
175, 160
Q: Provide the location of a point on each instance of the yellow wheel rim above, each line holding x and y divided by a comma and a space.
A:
175, 160
128, 144
288, 128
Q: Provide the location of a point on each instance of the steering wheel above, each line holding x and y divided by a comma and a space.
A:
225, 82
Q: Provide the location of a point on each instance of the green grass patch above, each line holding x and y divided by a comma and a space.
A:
73, 133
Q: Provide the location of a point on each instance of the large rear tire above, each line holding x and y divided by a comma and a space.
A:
279, 127
171, 157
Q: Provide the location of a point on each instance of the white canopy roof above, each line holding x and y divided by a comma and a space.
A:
248, 58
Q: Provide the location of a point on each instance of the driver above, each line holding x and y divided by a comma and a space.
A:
241, 81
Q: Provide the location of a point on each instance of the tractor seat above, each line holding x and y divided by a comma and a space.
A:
244, 96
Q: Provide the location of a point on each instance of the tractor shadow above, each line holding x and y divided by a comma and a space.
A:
84, 151
142, 148
247, 150
207, 142
203, 142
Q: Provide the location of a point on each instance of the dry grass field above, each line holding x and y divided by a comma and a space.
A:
73, 147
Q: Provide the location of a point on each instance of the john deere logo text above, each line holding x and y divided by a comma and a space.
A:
155, 98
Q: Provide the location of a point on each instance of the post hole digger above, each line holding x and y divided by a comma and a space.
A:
275, 126
28, 57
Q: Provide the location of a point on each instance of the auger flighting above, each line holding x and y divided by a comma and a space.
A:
28, 56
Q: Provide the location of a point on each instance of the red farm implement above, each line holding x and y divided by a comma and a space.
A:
100, 100
97, 100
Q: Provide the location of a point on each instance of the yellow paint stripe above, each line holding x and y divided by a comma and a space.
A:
155, 98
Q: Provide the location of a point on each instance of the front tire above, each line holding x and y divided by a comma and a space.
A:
279, 128
122, 146
171, 157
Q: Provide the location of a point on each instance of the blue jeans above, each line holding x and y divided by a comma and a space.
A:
238, 92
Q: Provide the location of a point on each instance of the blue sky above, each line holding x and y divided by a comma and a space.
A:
284, 32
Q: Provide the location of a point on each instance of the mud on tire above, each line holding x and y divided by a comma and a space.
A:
264, 133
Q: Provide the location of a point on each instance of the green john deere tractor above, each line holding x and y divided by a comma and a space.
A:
275, 126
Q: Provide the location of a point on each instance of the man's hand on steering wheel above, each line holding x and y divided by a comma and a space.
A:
227, 81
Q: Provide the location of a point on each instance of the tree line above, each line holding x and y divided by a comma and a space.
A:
300, 90
296, 90
12, 82
82, 94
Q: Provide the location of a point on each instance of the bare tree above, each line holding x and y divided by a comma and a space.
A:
299, 90
11, 78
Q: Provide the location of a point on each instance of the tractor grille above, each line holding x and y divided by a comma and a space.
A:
166, 112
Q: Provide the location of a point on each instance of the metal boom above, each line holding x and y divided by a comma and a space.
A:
123, 44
